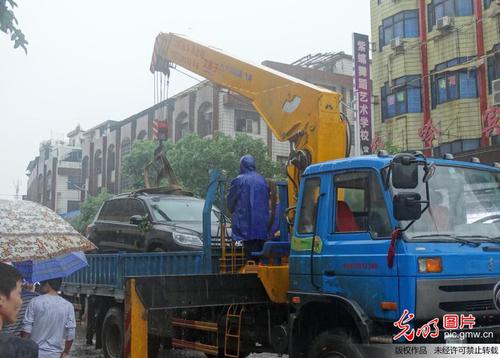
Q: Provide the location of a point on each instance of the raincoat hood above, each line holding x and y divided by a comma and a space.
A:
247, 164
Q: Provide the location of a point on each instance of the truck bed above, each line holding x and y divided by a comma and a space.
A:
106, 272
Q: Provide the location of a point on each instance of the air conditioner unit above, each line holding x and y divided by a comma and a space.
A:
396, 43
444, 23
496, 92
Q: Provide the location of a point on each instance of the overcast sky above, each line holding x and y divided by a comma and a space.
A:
88, 61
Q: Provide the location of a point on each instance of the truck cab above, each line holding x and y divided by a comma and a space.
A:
447, 261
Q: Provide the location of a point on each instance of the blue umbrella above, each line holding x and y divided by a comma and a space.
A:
59, 266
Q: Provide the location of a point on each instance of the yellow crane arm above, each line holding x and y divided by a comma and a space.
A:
305, 114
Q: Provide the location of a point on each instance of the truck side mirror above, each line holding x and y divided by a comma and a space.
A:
407, 206
404, 168
135, 219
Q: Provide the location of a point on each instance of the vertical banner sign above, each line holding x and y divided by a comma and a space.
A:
362, 86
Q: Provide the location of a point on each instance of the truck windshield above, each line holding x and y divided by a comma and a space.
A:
167, 209
464, 203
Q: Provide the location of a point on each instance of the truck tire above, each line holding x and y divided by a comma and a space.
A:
153, 346
333, 344
112, 333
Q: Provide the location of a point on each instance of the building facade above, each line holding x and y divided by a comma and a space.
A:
54, 176
433, 65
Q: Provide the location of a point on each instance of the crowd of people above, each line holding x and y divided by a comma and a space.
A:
33, 324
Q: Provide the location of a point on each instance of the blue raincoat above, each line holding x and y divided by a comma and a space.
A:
248, 201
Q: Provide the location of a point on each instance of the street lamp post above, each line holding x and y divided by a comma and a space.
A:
352, 106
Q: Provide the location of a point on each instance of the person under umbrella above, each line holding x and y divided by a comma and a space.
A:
50, 321
27, 293
10, 303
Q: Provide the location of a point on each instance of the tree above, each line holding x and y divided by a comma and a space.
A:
193, 157
88, 211
8, 24
391, 148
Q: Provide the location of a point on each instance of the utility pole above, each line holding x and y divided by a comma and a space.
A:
17, 184
352, 106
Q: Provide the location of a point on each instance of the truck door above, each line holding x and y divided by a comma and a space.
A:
354, 253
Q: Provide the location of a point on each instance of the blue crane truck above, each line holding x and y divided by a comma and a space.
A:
378, 246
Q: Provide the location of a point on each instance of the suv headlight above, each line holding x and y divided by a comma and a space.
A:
186, 239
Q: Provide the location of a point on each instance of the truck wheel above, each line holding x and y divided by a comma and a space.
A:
112, 333
153, 346
333, 344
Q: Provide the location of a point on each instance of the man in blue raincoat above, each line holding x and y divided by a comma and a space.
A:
248, 201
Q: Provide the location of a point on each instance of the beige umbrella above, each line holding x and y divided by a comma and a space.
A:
30, 231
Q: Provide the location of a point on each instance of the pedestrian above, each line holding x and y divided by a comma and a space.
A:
50, 321
248, 202
27, 293
10, 304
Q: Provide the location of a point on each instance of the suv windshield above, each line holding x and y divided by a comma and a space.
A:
185, 209
464, 203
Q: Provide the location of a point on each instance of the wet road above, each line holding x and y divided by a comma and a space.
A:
81, 350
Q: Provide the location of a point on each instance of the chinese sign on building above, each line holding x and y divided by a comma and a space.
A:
362, 86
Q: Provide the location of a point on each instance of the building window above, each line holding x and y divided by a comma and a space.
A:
457, 146
181, 126
74, 156
126, 146
402, 97
487, 4
205, 117
74, 182
98, 162
247, 121
440, 8
493, 66
73, 205
404, 24
449, 86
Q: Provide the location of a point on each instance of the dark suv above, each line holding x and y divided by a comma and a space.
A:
142, 221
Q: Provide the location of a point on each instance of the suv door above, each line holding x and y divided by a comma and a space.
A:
101, 232
134, 238
121, 224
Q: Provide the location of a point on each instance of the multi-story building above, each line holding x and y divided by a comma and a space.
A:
54, 175
202, 109
433, 65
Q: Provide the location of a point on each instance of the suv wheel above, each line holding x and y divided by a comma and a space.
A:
157, 248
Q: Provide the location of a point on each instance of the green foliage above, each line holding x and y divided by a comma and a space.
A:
392, 149
145, 225
193, 157
8, 24
88, 210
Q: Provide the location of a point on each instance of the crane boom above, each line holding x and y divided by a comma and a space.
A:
306, 115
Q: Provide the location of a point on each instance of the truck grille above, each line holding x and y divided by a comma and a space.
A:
438, 297
468, 306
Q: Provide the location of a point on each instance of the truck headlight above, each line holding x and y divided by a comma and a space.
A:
186, 239
430, 264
